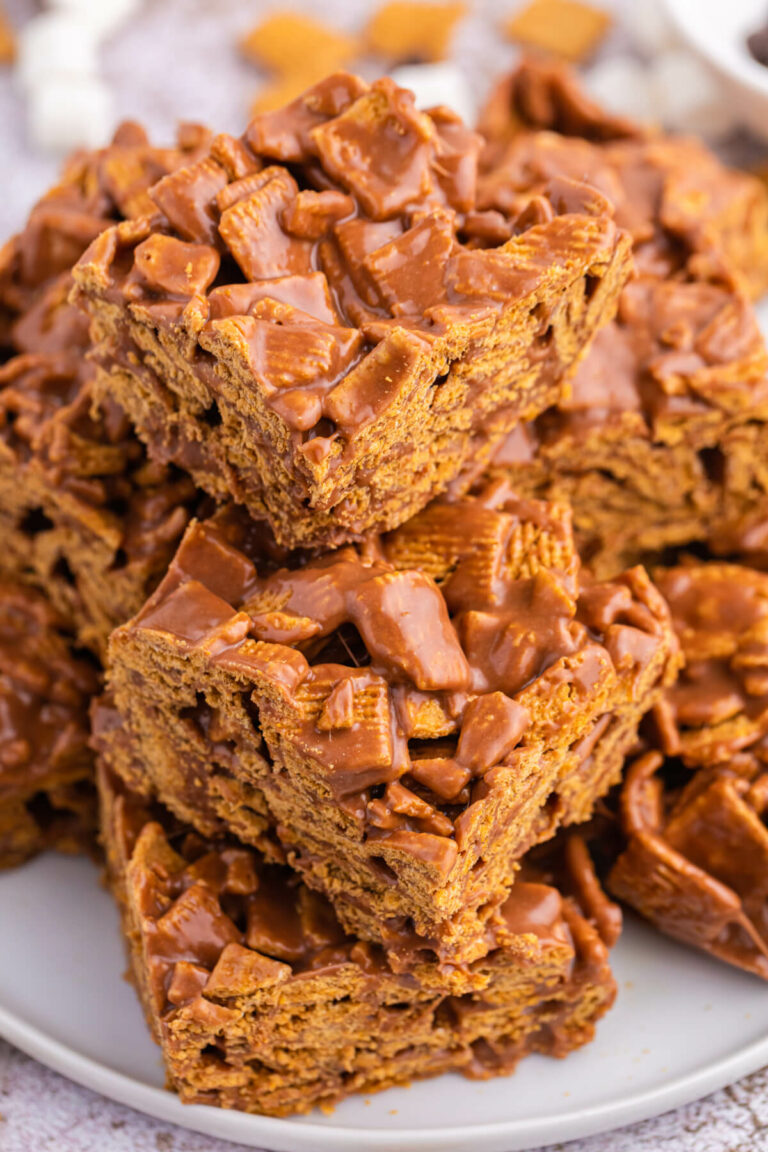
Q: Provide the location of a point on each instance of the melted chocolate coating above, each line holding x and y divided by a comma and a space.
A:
262, 1001
304, 289
408, 716
458, 641
361, 240
694, 812
660, 440
46, 797
86, 516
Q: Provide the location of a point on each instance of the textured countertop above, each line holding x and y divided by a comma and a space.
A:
39, 1110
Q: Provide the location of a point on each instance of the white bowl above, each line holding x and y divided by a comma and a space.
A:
717, 31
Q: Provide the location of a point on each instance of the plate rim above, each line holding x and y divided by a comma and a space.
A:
292, 1135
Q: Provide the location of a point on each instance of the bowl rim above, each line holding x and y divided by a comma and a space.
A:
727, 53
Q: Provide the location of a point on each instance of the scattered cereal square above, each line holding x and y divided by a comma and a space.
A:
566, 28
406, 30
7, 39
293, 44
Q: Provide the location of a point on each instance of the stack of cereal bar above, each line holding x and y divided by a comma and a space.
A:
329, 456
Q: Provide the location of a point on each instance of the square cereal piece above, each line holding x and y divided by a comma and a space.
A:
260, 1001
96, 188
47, 798
318, 324
84, 514
567, 28
385, 710
7, 39
696, 856
412, 32
693, 808
290, 43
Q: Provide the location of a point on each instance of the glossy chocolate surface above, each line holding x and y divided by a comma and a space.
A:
78, 490
336, 228
694, 812
413, 663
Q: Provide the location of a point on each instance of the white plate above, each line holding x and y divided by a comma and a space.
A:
683, 1025
717, 31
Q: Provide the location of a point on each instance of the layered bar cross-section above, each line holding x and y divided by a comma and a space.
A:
261, 1001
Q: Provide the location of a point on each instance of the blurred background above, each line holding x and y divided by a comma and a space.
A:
70, 70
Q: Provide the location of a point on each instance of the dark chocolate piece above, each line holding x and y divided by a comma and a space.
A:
694, 811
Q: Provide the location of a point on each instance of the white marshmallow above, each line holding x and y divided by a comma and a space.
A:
102, 16
623, 86
434, 84
649, 26
55, 44
70, 112
688, 96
